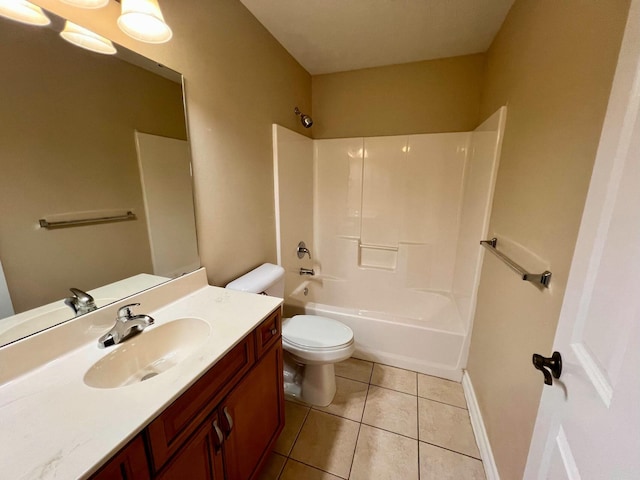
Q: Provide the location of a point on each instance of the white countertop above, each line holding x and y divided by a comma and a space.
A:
53, 426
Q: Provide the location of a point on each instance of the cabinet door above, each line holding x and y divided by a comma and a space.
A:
168, 432
130, 463
252, 417
200, 458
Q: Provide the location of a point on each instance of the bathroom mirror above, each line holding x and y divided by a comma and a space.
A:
82, 133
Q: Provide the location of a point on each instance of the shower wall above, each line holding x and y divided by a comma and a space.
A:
396, 223
293, 187
387, 211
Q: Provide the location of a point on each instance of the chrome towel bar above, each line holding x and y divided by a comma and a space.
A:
537, 278
85, 221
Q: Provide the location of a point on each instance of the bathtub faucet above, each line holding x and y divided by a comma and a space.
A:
303, 250
307, 271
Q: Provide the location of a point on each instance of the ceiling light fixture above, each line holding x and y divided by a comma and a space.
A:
86, 39
86, 3
23, 12
143, 20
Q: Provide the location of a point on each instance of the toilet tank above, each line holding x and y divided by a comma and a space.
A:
267, 278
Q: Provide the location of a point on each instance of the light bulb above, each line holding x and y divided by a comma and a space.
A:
87, 39
143, 20
23, 12
86, 3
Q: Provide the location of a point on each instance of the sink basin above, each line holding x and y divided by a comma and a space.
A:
148, 354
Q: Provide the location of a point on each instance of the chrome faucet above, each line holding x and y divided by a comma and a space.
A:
303, 250
81, 302
307, 271
126, 325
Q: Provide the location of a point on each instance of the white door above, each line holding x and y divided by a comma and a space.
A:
588, 424
165, 172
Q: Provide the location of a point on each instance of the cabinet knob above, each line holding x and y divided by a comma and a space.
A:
274, 331
217, 442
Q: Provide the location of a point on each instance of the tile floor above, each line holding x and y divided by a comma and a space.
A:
384, 423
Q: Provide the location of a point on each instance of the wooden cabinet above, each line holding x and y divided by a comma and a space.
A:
223, 427
167, 433
130, 463
200, 458
252, 416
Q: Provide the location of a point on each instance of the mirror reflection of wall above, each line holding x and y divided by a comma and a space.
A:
68, 146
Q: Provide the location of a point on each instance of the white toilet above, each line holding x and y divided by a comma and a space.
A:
314, 343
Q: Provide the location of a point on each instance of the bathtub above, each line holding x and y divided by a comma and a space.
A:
411, 329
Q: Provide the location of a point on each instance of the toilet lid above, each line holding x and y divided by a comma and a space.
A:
313, 331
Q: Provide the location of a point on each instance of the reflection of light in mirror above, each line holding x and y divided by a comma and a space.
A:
86, 39
143, 20
355, 153
24, 12
86, 3
406, 149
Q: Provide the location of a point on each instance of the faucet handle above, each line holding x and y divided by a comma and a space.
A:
303, 250
124, 313
81, 296
80, 302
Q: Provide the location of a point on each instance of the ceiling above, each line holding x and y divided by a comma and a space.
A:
328, 36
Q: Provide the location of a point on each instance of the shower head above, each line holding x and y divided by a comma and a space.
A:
305, 119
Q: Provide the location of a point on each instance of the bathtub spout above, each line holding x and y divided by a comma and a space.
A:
306, 271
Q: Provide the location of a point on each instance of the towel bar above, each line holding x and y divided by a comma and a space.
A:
84, 221
537, 278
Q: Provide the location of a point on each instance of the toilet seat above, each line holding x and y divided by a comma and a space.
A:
314, 332
313, 339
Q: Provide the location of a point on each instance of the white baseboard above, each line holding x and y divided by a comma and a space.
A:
489, 463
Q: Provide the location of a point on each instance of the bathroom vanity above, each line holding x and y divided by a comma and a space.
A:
226, 422
213, 409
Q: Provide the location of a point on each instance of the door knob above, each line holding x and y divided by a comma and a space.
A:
553, 364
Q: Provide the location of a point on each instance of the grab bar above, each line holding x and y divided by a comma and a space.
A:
84, 221
538, 278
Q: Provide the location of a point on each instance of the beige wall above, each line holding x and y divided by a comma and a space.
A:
423, 97
239, 80
68, 146
552, 63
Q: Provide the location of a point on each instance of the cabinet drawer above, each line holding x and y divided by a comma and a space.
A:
169, 431
268, 332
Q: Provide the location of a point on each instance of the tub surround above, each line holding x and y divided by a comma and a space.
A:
396, 228
55, 426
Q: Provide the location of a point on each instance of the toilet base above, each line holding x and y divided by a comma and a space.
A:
312, 384
319, 384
